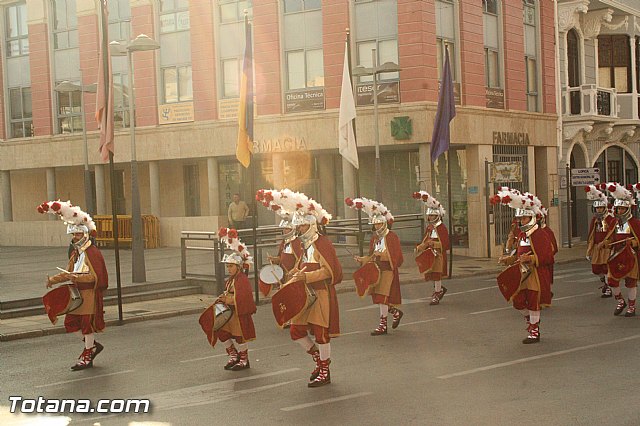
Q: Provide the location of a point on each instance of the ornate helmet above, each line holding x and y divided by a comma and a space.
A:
73, 216
376, 211
598, 198
525, 205
622, 198
240, 255
433, 206
275, 200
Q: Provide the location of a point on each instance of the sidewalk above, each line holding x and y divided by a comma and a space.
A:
164, 265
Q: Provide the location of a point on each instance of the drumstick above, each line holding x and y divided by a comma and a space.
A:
621, 241
302, 270
276, 277
352, 255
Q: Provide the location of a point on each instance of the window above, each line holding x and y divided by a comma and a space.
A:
17, 30
614, 62
174, 16
177, 84
119, 20
69, 111
377, 28
231, 77
121, 100
386, 51
65, 24
291, 6
446, 24
21, 124
491, 44
531, 53
302, 38
233, 10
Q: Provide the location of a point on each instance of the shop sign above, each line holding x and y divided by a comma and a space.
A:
228, 108
511, 138
495, 97
286, 144
388, 93
505, 172
175, 113
304, 100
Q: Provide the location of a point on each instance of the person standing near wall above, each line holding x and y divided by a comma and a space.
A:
237, 213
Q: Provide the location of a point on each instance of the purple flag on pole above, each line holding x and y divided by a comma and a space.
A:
441, 137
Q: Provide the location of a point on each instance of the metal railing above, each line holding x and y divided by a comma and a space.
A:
268, 237
589, 99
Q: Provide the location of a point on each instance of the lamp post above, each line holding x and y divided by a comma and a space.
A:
139, 44
361, 71
69, 87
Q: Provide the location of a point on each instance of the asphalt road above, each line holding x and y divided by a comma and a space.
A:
459, 363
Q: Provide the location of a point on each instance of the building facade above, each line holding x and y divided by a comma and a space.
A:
186, 96
599, 74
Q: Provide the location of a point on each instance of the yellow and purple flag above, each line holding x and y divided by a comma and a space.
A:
244, 147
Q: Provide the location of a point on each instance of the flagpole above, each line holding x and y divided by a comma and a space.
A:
450, 204
114, 217
355, 136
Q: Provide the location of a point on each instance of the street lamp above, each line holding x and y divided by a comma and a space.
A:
69, 87
139, 44
361, 71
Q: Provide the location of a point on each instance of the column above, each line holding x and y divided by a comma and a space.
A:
101, 196
5, 195
424, 176
327, 176
633, 88
154, 188
51, 188
349, 186
214, 191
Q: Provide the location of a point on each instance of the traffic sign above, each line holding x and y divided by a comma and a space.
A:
585, 176
586, 171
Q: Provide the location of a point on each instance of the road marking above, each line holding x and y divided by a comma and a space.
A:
534, 358
221, 355
555, 299
583, 274
421, 322
84, 378
351, 332
326, 401
423, 299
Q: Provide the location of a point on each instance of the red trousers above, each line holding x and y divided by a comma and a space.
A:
82, 323
526, 299
320, 333
628, 282
600, 269
224, 335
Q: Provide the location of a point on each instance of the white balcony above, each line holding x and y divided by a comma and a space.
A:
590, 102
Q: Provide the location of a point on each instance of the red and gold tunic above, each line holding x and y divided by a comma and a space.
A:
629, 231
239, 295
439, 236
600, 230
535, 291
387, 254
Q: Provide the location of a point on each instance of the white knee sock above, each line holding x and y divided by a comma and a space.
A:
242, 346
616, 291
228, 343
438, 286
534, 317
305, 342
384, 310
632, 293
88, 341
325, 351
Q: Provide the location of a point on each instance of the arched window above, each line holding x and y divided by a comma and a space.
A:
573, 67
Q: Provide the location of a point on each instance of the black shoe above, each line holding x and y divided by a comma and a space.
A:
98, 349
606, 292
620, 308
528, 340
396, 320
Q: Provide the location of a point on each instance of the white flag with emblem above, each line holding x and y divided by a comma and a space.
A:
346, 136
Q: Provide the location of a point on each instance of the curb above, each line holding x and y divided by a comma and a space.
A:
346, 288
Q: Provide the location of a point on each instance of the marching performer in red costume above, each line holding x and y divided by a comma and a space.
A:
237, 329
534, 254
436, 239
385, 252
319, 270
623, 263
88, 273
603, 224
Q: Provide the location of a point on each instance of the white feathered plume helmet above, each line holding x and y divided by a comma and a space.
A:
229, 237
532, 202
69, 214
294, 203
619, 192
429, 201
594, 194
370, 207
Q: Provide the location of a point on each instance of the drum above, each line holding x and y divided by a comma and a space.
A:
425, 260
61, 300
509, 281
213, 319
292, 299
366, 277
269, 275
223, 315
622, 262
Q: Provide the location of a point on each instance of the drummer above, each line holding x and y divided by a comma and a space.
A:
237, 295
535, 255
289, 249
385, 251
436, 238
603, 224
627, 231
87, 272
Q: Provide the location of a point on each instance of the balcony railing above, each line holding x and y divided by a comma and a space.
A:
589, 100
